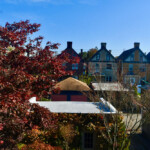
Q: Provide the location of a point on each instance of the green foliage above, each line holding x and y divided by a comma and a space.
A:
86, 78
44, 99
20, 146
68, 133
109, 136
38, 145
87, 55
91, 52
84, 55
115, 135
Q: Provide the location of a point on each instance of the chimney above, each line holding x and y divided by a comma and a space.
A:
103, 45
136, 45
109, 51
69, 45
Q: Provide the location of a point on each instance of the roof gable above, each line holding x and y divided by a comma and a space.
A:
102, 51
126, 54
70, 52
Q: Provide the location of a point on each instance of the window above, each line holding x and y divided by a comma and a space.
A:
75, 66
132, 57
108, 78
107, 57
98, 57
64, 64
97, 67
141, 57
142, 68
130, 67
109, 66
88, 140
132, 81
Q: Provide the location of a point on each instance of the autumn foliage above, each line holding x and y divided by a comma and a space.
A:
26, 69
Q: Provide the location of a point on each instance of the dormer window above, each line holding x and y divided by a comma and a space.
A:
107, 57
132, 57
98, 57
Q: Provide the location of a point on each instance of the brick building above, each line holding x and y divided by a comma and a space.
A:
76, 64
103, 64
133, 65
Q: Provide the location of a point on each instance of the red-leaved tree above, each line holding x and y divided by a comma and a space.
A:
26, 69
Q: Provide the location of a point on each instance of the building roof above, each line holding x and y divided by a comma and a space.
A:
70, 52
101, 107
148, 56
71, 84
103, 47
127, 53
108, 87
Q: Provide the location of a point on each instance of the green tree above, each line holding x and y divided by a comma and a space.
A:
91, 52
87, 55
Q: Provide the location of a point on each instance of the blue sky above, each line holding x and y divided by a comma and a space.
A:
87, 23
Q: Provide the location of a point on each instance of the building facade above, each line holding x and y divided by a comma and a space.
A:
103, 65
75, 62
148, 67
133, 64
